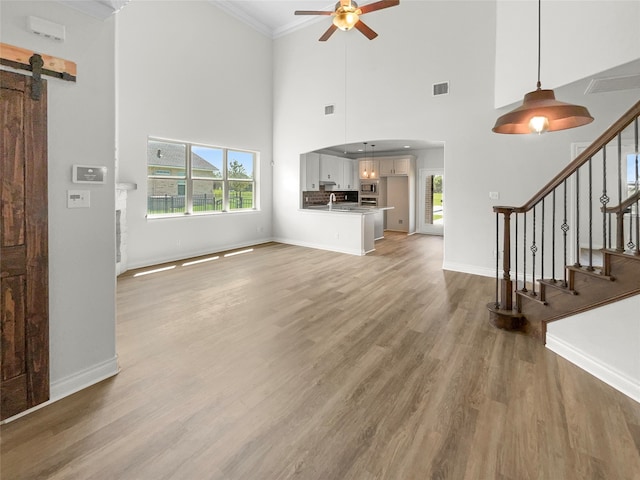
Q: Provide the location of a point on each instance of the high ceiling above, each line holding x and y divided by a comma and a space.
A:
275, 17
271, 17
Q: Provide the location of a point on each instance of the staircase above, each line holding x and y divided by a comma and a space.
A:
567, 250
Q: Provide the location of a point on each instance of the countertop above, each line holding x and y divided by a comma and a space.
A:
346, 208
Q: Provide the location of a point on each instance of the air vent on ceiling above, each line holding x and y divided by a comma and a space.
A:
613, 84
328, 109
441, 88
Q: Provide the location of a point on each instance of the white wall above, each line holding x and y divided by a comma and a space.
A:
430, 158
587, 341
81, 241
578, 39
188, 71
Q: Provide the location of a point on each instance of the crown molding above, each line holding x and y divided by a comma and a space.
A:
100, 9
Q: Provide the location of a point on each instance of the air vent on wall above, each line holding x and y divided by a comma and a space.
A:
613, 84
328, 109
441, 88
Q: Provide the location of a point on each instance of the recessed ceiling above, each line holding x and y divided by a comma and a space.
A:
382, 147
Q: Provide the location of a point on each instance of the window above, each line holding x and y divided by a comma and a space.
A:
185, 178
633, 169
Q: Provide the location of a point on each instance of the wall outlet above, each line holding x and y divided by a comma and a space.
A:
400, 221
494, 195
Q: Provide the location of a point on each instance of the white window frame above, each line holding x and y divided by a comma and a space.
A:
189, 179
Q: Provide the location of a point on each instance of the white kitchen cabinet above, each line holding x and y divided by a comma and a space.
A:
332, 170
395, 166
350, 175
369, 169
310, 172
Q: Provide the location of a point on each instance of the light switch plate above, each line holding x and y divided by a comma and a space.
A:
494, 195
78, 198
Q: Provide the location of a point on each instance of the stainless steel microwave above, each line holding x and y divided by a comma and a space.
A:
368, 187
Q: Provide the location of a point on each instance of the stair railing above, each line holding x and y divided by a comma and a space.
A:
546, 244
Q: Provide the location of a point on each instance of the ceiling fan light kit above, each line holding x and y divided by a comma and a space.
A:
347, 16
540, 111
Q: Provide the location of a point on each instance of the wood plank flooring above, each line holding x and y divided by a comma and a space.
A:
288, 362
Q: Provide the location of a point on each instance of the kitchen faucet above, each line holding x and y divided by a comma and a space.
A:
332, 198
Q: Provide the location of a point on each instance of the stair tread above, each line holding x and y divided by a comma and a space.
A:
558, 285
625, 254
529, 295
596, 272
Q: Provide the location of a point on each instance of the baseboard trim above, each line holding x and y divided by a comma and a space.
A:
74, 383
196, 253
609, 375
471, 269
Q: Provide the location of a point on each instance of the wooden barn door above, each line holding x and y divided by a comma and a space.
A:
24, 272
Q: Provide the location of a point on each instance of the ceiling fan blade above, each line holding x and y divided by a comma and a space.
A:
372, 7
312, 12
328, 33
370, 34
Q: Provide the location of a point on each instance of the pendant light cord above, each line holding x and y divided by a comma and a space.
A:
539, 35
344, 90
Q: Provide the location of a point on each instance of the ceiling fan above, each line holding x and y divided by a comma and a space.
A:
347, 15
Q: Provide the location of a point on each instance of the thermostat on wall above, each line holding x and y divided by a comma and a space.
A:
89, 174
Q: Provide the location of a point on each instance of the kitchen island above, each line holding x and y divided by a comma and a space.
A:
365, 223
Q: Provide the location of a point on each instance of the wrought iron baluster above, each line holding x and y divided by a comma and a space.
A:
565, 229
553, 237
534, 249
620, 168
542, 242
524, 254
515, 249
590, 266
630, 244
577, 262
497, 303
604, 199
620, 216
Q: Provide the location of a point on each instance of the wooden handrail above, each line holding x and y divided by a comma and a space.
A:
608, 135
624, 205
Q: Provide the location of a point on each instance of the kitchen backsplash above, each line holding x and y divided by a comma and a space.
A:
322, 197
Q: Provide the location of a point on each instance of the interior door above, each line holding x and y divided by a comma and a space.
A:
431, 201
24, 282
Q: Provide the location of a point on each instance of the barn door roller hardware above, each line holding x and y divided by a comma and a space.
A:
39, 64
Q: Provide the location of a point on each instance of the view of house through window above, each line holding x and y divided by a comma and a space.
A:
185, 178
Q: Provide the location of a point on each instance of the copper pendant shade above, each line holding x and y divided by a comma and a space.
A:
542, 104
541, 112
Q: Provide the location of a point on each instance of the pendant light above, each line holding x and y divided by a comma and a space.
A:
365, 174
540, 111
373, 158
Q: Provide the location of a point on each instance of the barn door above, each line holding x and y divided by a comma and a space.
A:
24, 300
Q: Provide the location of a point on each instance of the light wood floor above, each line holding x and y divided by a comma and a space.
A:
289, 362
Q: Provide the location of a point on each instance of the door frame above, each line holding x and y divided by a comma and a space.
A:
425, 228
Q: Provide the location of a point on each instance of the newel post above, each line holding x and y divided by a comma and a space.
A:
506, 286
501, 312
